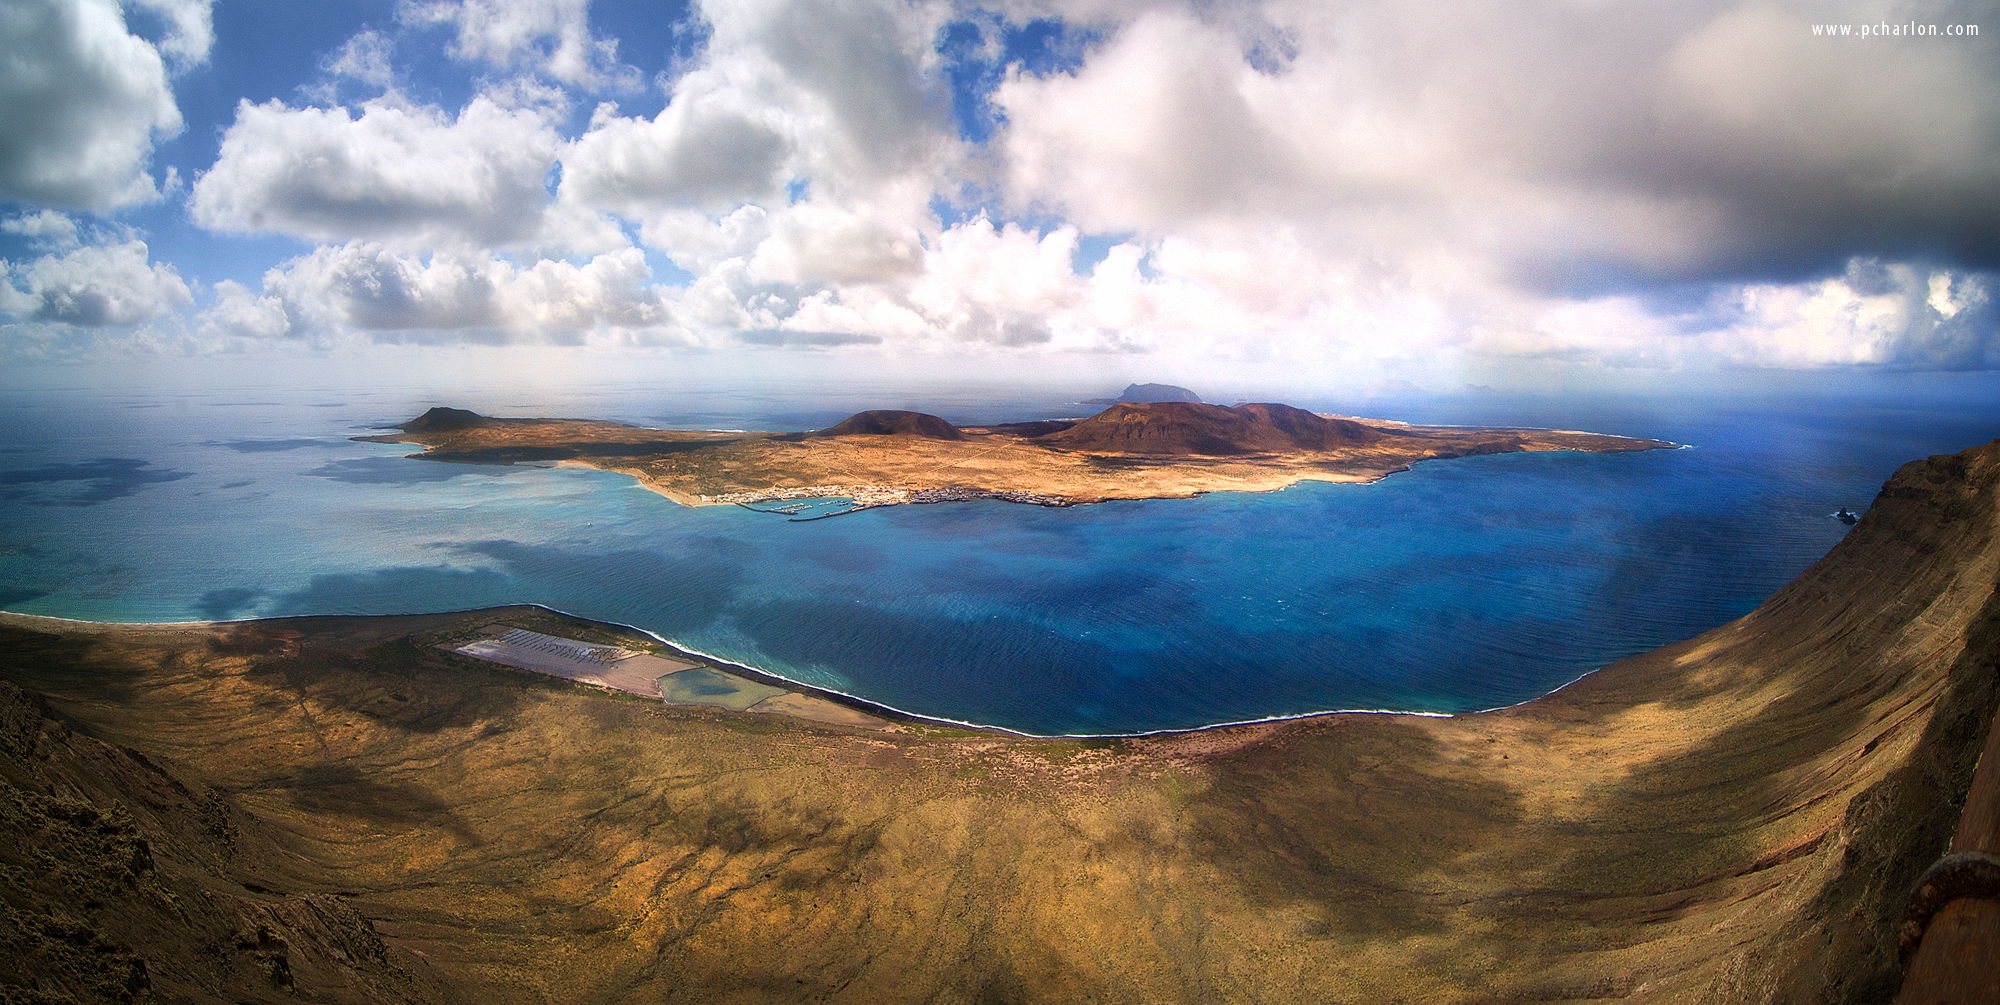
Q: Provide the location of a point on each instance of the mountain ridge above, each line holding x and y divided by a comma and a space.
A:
1199, 428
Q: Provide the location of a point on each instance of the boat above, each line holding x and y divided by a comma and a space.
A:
1844, 516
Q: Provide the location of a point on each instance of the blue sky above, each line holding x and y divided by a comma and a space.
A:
1364, 193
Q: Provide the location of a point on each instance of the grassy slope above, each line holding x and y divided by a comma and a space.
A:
1734, 817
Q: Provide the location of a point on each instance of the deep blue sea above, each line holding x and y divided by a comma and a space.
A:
1459, 585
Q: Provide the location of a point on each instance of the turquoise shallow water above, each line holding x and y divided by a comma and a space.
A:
1459, 585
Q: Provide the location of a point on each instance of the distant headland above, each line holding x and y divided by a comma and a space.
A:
1144, 394
881, 457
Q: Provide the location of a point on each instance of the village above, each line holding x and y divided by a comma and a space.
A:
792, 498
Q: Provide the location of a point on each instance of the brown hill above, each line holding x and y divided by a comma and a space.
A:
1186, 427
440, 419
892, 422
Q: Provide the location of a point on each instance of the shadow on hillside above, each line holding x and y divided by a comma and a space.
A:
341, 791
1350, 827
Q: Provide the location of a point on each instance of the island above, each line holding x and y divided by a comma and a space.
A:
883, 457
1147, 393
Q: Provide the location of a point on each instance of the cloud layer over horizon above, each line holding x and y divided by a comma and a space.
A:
1381, 189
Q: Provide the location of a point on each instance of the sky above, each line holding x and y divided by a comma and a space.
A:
1364, 194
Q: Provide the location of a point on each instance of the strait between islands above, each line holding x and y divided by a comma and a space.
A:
1131, 450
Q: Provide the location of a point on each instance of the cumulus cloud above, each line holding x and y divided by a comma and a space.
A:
364, 58
237, 312
816, 243
975, 284
189, 31
44, 228
1585, 148
1520, 186
793, 170
83, 100
1366, 185
96, 286
837, 96
397, 172
710, 152
550, 36
1889, 314
366, 288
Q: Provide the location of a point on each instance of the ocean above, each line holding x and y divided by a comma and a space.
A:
1456, 586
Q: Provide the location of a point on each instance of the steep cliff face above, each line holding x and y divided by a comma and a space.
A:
1919, 572
330, 801
125, 882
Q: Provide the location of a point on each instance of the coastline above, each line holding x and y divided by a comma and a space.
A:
655, 486
886, 458
895, 712
845, 699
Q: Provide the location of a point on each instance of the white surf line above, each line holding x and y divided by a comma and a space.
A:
1531, 429
982, 725
872, 702
1539, 697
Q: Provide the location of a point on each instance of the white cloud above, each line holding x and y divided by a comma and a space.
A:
96, 286
82, 101
815, 244
1358, 187
550, 36
364, 58
1360, 180
1589, 145
399, 173
1890, 314
240, 313
44, 228
711, 152
367, 289
840, 97
1162, 127
190, 32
